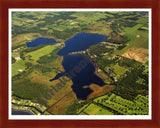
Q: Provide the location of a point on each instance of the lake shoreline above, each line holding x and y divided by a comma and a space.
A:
94, 64
96, 68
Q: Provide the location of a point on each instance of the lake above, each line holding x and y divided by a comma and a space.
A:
21, 112
81, 42
40, 41
78, 67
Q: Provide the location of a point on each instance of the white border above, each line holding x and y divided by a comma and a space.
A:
81, 117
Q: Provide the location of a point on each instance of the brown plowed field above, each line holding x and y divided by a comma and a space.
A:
137, 54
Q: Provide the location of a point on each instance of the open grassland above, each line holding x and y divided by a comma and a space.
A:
18, 67
141, 39
38, 77
27, 89
130, 36
35, 55
36, 86
61, 90
60, 107
93, 109
97, 90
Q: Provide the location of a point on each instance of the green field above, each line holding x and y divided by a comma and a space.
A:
19, 65
131, 36
142, 20
93, 109
131, 30
88, 16
144, 28
114, 12
141, 41
123, 106
35, 55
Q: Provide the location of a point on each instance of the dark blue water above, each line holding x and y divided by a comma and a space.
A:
81, 42
81, 70
21, 112
40, 41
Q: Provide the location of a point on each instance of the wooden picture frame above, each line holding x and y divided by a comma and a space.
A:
6, 123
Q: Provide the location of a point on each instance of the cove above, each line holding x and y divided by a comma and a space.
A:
40, 41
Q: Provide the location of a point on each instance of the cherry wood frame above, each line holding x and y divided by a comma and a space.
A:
6, 4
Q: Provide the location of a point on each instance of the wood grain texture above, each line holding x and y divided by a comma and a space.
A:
6, 4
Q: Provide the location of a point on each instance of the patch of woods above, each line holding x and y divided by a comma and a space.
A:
99, 49
122, 40
133, 82
129, 88
120, 24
